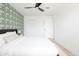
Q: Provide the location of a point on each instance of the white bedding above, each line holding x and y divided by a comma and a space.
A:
29, 46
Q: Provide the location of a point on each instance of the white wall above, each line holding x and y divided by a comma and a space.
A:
38, 26
67, 27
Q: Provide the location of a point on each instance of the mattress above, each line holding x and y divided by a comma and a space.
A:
29, 46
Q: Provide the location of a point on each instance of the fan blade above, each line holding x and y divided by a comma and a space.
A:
28, 7
37, 4
41, 9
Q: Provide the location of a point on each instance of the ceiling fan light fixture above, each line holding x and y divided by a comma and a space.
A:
37, 5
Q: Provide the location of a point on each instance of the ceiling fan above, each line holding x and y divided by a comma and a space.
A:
37, 5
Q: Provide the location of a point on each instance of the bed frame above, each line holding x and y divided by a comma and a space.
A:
7, 30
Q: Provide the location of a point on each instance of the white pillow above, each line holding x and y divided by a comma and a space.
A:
7, 34
2, 42
10, 37
10, 33
2, 35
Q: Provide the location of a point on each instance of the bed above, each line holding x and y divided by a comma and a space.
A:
27, 46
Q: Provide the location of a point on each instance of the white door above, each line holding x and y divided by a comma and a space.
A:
34, 28
39, 27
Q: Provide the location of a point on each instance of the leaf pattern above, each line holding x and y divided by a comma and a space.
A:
10, 18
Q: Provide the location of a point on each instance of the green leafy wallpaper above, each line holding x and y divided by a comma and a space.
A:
10, 18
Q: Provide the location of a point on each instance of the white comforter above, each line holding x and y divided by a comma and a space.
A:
29, 46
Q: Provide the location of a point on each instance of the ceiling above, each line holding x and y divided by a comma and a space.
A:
51, 9
48, 7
